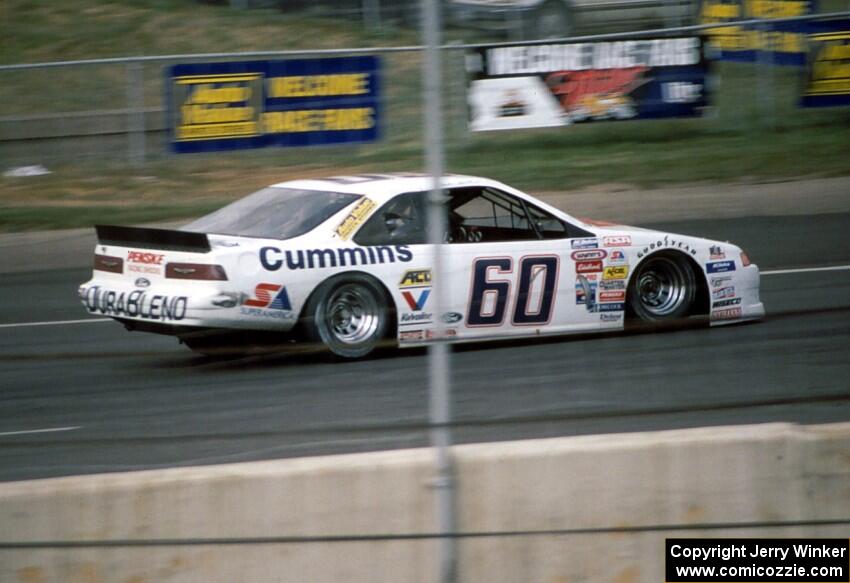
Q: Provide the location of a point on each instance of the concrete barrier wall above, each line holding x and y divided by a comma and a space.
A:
773, 472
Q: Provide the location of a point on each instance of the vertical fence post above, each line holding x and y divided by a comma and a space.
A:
136, 113
439, 361
457, 91
766, 100
371, 10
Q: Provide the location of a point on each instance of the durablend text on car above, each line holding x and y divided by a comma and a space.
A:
344, 262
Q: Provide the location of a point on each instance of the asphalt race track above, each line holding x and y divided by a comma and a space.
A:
89, 397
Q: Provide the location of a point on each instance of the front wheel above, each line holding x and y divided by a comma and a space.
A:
349, 316
662, 289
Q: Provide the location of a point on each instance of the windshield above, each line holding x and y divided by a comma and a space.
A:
276, 213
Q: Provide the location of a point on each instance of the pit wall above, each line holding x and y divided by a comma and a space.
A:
740, 474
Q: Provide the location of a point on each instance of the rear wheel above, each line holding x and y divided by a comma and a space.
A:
662, 289
348, 315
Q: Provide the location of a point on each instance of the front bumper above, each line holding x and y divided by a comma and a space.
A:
747, 283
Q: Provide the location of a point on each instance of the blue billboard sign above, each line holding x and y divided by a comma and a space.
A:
562, 84
828, 67
778, 43
258, 104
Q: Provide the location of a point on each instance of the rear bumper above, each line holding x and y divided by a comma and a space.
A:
174, 309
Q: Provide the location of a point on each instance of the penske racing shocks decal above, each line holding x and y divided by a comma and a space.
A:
135, 304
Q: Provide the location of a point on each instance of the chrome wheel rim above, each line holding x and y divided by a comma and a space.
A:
662, 286
352, 314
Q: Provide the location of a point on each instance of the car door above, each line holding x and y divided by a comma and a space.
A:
511, 270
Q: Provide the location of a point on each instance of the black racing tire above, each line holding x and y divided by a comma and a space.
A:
551, 20
349, 315
662, 289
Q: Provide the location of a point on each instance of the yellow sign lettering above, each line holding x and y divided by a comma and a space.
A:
315, 120
319, 85
206, 93
198, 114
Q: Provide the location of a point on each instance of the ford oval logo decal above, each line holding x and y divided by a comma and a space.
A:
142, 282
452, 317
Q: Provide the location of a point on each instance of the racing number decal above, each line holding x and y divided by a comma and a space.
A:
484, 311
529, 270
483, 288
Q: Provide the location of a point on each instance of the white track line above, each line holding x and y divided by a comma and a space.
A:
55, 323
806, 270
49, 430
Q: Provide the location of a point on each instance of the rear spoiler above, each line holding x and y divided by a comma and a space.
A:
164, 239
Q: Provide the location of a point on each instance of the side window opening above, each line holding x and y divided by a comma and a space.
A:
401, 221
475, 214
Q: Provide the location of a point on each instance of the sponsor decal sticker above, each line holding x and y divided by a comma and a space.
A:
617, 257
611, 307
612, 284
668, 242
270, 295
715, 252
417, 304
274, 258
617, 241
415, 278
141, 257
589, 254
720, 281
135, 304
586, 286
584, 243
615, 272
724, 303
147, 269
270, 301
142, 282
610, 317
612, 296
723, 292
726, 314
589, 266
355, 218
720, 267
411, 335
434, 334
415, 318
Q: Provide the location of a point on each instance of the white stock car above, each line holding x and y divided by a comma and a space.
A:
343, 261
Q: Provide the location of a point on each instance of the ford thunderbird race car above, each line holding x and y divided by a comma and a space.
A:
344, 262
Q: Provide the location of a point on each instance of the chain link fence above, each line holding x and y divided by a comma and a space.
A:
111, 112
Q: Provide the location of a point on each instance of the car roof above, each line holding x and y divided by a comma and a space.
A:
384, 186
